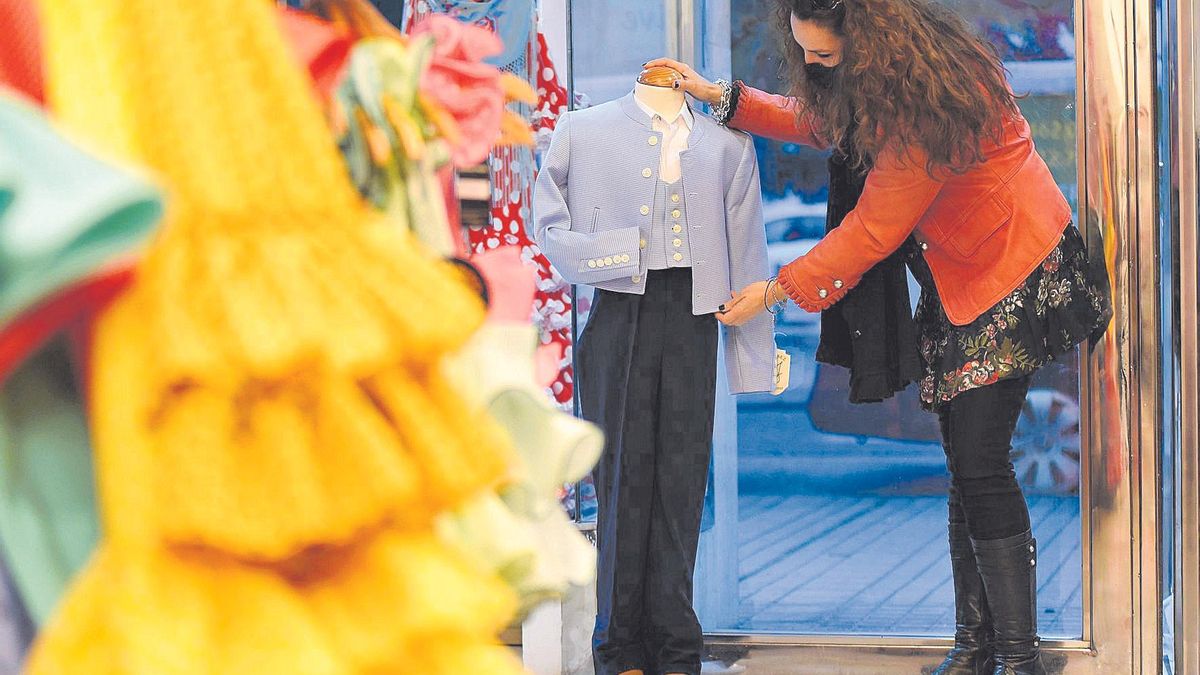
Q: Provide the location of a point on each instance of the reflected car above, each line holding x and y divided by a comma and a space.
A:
1045, 452
793, 227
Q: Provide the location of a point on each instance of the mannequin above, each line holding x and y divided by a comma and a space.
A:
654, 88
659, 209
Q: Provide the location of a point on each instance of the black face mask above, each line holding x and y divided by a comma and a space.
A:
820, 75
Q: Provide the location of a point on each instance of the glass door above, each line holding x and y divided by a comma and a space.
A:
824, 537
841, 508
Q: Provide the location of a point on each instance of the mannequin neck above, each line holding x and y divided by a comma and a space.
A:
666, 102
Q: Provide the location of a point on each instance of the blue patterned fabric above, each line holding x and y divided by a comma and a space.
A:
593, 204
513, 21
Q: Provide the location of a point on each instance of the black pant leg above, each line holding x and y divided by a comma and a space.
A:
614, 356
980, 425
956, 516
687, 391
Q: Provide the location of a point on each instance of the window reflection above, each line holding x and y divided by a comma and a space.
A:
840, 514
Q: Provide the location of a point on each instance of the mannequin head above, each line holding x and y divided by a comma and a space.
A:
655, 88
659, 76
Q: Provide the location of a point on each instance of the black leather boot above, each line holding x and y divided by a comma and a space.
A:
1009, 570
972, 652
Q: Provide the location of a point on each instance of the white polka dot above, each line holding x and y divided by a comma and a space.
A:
548, 73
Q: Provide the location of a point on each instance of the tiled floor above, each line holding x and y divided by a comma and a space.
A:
876, 565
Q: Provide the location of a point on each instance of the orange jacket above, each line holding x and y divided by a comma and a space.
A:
983, 232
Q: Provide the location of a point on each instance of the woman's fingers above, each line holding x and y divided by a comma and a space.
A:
737, 311
669, 63
692, 83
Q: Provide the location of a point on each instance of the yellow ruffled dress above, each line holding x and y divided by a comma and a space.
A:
274, 439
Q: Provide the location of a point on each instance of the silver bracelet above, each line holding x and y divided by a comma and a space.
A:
721, 111
767, 296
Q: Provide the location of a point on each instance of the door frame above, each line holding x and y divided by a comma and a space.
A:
1181, 173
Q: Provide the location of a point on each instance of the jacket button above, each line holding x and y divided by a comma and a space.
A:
675, 198
608, 260
837, 283
678, 257
676, 213
858, 333
653, 140
646, 173
637, 277
822, 293
678, 243
642, 243
676, 228
592, 264
924, 246
645, 210
624, 258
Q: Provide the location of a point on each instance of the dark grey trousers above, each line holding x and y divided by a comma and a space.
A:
647, 376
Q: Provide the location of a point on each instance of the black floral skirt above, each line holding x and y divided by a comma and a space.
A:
1063, 302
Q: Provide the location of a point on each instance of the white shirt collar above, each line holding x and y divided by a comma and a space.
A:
684, 112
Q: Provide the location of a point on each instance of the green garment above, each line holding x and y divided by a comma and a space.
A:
63, 215
48, 517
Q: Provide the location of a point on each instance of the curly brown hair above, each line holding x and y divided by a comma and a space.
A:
912, 73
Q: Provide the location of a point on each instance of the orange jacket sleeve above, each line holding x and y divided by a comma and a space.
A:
773, 116
897, 193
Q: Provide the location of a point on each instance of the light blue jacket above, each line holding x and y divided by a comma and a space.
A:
593, 205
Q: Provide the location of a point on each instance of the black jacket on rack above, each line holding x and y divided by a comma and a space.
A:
871, 331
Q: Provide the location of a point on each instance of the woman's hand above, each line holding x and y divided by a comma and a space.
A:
748, 303
692, 83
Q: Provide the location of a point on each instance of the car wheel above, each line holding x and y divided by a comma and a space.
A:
1046, 443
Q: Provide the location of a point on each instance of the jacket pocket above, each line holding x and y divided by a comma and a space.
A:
979, 224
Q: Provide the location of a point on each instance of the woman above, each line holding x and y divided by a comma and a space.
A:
916, 104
